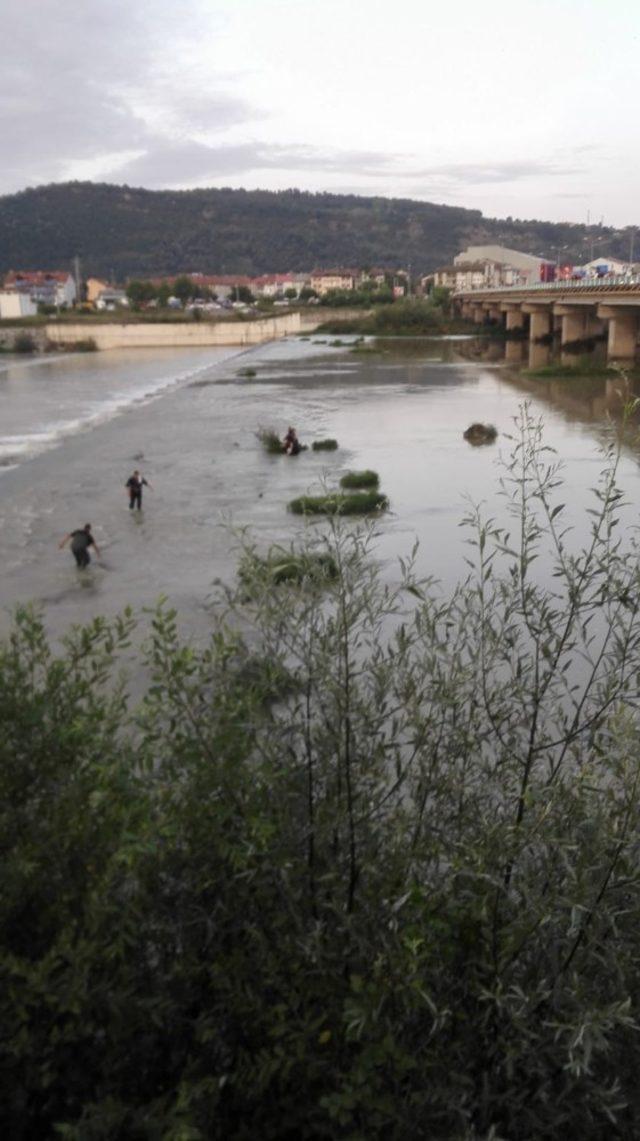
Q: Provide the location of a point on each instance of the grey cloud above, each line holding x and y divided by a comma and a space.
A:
477, 173
200, 112
179, 163
174, 164
94, 81
75, 77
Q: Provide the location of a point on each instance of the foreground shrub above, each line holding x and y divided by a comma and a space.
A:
328, 445
401, 900
335, 503
357, 479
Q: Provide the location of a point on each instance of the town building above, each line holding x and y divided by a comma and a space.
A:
276, 284
95, 286
109, 299
14, 304
325, 280
497, 258
467, 275
220, 284
55, 287
604, 266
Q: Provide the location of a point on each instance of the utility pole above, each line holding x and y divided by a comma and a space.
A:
76, 273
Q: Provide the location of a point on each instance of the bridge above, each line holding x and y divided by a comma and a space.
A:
577, 313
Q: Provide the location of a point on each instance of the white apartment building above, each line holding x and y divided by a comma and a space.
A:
525, 268
14, 304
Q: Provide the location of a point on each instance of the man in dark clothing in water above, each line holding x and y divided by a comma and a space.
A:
291, 443
80, 543
134, 486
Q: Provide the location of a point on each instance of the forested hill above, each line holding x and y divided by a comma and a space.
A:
119, 231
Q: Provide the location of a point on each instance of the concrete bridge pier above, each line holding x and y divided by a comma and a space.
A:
514, 317
540, 326
623, 332
514, 351
575, 327
578, 315
539, 355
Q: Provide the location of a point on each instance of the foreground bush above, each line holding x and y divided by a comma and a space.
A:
399, 900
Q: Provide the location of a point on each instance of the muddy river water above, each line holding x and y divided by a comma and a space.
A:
73, 428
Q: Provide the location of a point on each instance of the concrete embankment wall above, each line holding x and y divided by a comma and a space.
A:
138, 335
174, 334
37, 333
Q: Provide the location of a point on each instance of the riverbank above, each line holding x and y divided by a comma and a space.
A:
106, 333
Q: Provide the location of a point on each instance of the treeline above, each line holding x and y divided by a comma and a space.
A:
368, 869
120, 231
408, 316
141, 291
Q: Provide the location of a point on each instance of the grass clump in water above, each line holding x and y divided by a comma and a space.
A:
337, 503
247, 373
324, 445
582, 368
355, 480
480, 434
270, 441
280, 566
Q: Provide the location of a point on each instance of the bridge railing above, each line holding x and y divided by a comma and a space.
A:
626, 284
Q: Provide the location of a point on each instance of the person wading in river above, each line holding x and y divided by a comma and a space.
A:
80, 543
134, 486
291, 443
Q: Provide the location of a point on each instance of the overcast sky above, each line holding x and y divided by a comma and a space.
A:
526, 108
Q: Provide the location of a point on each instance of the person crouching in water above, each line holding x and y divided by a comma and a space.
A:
291, 442
80, 543
134, 486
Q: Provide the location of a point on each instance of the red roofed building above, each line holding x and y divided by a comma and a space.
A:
54, 287
221, 284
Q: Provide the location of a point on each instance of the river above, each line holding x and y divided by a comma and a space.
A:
73, 428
